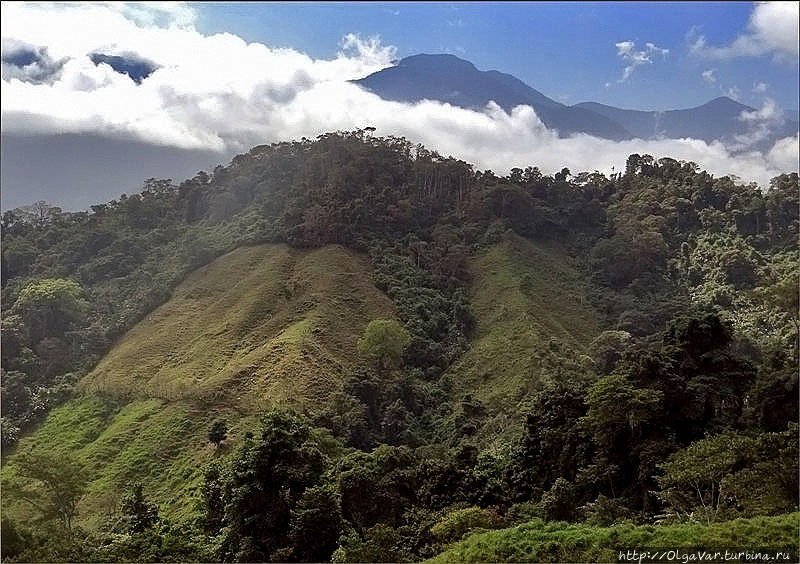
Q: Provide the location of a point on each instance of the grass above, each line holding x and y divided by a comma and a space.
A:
260, 326
271, 325
538, 541
525, 297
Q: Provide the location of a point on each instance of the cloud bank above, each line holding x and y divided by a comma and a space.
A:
218, 92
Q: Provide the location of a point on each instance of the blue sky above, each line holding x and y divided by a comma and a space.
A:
567, 50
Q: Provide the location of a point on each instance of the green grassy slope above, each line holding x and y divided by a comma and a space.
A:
264, 324
271, 325
528, 302
260, 326
537, 541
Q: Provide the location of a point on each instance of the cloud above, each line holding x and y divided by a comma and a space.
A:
762, 123
768, 112
772, 29
28, 63
760, 87
220, 93
732, 92
708, 76
627, 50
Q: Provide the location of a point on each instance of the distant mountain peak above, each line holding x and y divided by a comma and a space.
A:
724, 102
450, 79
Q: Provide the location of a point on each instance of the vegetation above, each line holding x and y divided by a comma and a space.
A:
353, 349
539, 541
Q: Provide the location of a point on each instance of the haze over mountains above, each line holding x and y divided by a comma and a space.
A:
449, 79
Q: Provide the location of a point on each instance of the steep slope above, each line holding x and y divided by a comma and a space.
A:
260, 326
266, 323
532, 315
449, 79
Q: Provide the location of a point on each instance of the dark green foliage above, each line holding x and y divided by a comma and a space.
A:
665, 246
559, 502
379, 544
137, 514
218, 431
554, 445
377, 487
13, 542
731, 475
316, 524
266, 482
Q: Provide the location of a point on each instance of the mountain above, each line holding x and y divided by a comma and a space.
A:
720, 119
400, 350
449, 79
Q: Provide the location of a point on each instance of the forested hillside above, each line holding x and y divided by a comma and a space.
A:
352, 348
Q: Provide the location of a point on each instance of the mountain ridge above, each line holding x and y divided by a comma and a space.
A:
450, 79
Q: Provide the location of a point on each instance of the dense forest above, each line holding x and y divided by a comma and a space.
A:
681, 408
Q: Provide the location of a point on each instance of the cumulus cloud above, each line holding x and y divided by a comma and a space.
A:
762, 122
760, 87
708, 76
221, 93
772, 28
627, 50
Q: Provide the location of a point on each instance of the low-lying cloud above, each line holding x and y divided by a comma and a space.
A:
218, 92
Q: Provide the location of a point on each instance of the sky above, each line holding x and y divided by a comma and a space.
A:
567, 50
210, 80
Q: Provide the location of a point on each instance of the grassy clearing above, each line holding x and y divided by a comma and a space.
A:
526, 299
163, 445
259, 326
538, 541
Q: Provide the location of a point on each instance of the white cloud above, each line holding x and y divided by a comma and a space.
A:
760, 87
761, 122
772, 28
768, 112
732, 92
783, 155
219, 92
627, 50
708, 76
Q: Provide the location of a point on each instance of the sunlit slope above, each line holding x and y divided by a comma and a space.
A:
537, 541
528, 303
261, 325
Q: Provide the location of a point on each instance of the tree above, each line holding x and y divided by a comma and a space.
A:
267, 478
751, 474
218, 431
38, 214
316, 524
50, 307
53, 483
384, 342
137, 514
